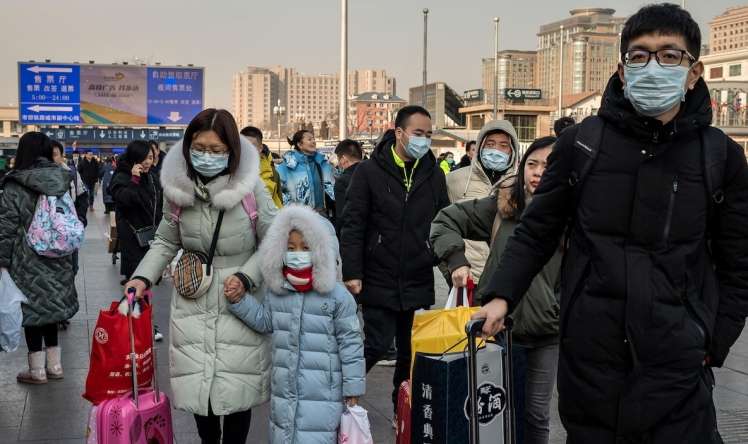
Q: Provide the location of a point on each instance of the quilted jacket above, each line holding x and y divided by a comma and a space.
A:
48, 283
213, 356
318, 356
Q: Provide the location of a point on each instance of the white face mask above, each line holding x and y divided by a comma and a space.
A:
298, 260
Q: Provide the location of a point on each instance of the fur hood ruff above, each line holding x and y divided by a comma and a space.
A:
318, 234
225, 191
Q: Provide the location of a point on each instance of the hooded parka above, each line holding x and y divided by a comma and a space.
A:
48, 283
318, 350
213, 356
650, 287
472, 182
385, 236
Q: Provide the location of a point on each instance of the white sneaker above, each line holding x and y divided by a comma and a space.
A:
387, 362
157, 336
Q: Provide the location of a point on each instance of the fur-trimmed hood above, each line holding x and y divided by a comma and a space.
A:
225, 191
318, 234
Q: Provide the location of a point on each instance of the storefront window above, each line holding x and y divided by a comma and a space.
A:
525, 125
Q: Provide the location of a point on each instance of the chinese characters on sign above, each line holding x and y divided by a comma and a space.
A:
70, 94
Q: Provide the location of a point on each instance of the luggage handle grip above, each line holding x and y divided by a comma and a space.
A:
474, 327
133, 356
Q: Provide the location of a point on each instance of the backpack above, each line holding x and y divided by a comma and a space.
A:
588, 144
248, 203
55, 230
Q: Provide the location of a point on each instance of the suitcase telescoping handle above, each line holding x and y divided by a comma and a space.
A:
133, 356
473, 329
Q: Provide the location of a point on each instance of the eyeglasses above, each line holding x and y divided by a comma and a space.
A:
667, 58
212, 149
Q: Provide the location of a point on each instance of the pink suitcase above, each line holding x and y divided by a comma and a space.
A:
145, 419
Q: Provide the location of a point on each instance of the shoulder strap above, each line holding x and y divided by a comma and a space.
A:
249, 203
214, 242
714, 155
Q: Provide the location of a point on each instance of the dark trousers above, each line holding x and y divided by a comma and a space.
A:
91, 188
37, 337
235, 427
380, 327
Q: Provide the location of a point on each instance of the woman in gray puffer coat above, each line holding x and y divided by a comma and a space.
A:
48, 283
318, 356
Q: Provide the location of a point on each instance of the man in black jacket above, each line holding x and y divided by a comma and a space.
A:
655, 281
387, 258
88, 169
349, 154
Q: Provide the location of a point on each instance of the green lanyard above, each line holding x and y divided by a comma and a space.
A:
408, 181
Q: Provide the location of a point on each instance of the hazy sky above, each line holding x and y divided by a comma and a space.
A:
226, 35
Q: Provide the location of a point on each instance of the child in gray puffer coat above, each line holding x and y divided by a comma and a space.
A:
318, 359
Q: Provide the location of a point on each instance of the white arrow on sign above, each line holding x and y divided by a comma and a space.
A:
174, 116
142, 134
40, 108
38, 69
102, 134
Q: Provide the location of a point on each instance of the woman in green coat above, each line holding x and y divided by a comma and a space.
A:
492, 220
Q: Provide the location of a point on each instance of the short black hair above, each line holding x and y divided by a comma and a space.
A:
350, 148
401, 120
469, 145
663, 19
153, 143
252, 131
32, 146
561, 124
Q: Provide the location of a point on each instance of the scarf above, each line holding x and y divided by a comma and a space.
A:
300, 280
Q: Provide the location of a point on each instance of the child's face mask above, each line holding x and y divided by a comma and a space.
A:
298, 270
298, 260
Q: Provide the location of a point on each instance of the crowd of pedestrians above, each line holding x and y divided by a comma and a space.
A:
618, 248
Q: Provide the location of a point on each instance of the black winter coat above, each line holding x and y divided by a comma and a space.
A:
48, 283
89, 170
137, 205
645, 297
385, 236
341, 189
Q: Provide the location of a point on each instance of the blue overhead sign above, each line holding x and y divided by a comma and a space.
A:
49, 94
120, 95
175, 96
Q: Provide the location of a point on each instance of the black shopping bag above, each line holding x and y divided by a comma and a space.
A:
439, 398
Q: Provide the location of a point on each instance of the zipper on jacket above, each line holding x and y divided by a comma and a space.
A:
692, 314
670, 207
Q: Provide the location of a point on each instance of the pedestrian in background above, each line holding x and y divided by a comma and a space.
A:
306, 176
349, 154
48, 283
88, 168
469, 155
107, 173
138, 204
560, 125
267, 167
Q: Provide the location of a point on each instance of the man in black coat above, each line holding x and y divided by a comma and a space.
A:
655, 281
88, 169
349, 154
387, 258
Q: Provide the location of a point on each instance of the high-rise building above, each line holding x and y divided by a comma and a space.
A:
442, 102
590, 39
367, 80
516, 70
310, 98
254, 93
729, 31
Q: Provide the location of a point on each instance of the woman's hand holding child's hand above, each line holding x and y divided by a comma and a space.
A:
233, 289
351, 401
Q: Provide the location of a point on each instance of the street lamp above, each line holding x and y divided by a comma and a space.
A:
279, 110
496, 72
343, 105
425, 49
561, 72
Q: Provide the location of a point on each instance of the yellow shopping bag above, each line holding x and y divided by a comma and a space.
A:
441, 330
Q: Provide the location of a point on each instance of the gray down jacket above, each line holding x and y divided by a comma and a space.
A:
318, 357
48, 283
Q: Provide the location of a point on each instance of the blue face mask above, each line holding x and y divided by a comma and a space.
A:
654, 90
298, 260
494, 160
417, 146
207, 164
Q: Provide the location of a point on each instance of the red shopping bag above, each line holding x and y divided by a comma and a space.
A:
109, 372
